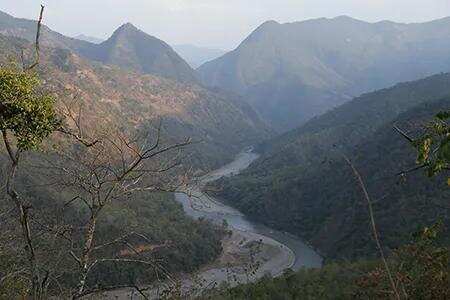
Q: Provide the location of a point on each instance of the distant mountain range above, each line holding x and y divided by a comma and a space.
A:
89, 39
291, 72
128, 48
196, 56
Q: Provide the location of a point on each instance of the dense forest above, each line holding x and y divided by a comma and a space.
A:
302, 184
413, 266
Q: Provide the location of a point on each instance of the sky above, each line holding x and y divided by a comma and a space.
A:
221, 24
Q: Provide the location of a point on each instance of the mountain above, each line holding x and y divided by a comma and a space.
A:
133, 49
302, 184
110, 96
89, 39
128, 48
196, 56
291, 72
220, 124
26, 29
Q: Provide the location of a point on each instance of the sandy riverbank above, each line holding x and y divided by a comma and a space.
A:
246, 257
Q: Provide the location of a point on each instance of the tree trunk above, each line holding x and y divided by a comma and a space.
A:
85, 257
26, 232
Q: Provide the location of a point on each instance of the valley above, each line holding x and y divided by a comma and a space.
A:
310, 162
275, 251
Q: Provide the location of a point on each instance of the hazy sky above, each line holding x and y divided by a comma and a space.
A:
214, 23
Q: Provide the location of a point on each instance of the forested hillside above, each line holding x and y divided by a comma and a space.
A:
291, 72
156, 216
215, 121
128, 107
303, 185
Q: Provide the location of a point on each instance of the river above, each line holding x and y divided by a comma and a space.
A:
201, 205
288, 251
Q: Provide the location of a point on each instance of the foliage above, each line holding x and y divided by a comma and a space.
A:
434, 146
188, 244
421, 270
338, 280
301, 183
25, 110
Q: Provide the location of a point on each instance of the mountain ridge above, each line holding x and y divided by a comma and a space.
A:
133, 100
89, 39
150, 54
133, 49
291, 72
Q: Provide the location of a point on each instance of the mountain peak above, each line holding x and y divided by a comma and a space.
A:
133, 49
347, 19
267, 24
344, 17
127, 27
262, 29
270, 23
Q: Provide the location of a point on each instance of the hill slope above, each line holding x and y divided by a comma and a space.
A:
222, 124
302, 184
128, 48
133, 49
291, 72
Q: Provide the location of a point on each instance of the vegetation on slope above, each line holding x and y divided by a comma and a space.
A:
179, 244
302, 184
62, 198
420, 268
128, 48
215, 120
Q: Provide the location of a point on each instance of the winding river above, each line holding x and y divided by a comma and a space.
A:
200, 205
291, 251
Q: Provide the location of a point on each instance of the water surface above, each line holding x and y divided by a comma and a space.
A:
199, 205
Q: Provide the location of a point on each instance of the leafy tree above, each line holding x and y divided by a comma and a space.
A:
27, 117
434, 146
26, 113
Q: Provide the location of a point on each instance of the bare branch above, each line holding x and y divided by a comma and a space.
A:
38, 33
401, 132
373, 225
13, 156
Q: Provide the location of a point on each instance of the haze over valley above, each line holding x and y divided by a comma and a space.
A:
309, 160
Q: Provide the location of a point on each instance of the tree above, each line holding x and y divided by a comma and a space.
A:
98, 168
421, 270
99, 171
27, 117
433, 146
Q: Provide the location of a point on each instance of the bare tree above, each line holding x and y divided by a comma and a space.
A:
105, 167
